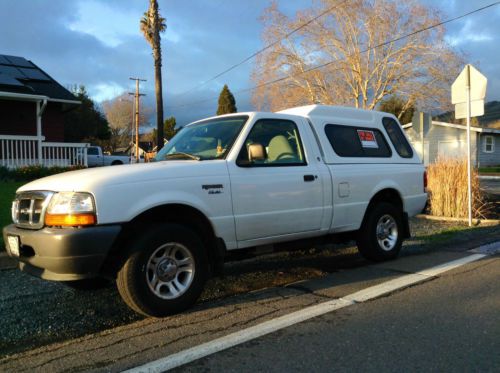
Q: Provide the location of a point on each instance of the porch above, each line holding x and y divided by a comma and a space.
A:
32, 110
20, 151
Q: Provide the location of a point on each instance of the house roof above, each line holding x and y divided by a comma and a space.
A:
22, 79
459, 126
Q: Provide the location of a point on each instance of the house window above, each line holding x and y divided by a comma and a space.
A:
489, 144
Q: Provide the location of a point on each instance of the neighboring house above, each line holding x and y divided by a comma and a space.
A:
144, 150
432, 139
32, 107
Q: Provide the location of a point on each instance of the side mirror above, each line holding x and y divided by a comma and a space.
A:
256, 152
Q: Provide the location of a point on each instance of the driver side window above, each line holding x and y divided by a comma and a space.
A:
280, 140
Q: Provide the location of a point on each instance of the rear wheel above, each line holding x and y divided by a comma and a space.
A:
166, 272
381, 234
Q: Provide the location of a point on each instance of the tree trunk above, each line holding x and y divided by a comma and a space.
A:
159, 103
158, 81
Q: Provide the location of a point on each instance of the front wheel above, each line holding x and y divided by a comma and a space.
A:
381, 234
166, 272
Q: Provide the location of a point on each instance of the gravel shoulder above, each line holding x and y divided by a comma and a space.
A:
36, 313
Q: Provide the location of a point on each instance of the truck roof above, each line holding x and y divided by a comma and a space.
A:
327, 111
319, 114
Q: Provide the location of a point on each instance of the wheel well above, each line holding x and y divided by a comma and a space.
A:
393, 197
171, 213
385, 195
116, 163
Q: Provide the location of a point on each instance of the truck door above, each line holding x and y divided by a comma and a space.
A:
280, 194
93, 157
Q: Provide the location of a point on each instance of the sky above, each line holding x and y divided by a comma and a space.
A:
98, 43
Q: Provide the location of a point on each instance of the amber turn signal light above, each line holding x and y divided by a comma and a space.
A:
70, 220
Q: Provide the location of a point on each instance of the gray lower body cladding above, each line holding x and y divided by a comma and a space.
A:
62, 254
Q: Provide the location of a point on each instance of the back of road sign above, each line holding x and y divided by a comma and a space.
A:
469, 77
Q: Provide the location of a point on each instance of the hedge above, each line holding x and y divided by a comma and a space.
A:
29, 173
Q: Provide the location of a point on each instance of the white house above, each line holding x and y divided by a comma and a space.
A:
432, 138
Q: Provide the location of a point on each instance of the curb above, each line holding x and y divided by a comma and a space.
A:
489, 177
463, 220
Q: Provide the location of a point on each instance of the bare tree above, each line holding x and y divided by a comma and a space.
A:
119, 112
360, 64
152, 24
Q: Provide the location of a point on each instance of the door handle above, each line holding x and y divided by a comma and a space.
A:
309, 177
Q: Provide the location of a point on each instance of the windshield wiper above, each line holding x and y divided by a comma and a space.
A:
182, 155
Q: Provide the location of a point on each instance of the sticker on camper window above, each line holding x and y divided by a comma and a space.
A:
367, 139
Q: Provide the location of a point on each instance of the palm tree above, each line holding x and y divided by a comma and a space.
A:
152, 24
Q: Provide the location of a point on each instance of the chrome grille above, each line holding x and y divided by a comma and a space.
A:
28, 209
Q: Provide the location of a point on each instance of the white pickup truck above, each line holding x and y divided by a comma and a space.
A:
232, 182
96, 157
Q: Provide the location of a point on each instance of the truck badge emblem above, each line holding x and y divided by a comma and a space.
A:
213, 188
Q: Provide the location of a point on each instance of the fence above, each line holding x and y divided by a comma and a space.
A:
20, 151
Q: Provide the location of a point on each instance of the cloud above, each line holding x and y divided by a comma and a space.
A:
105, 91
94, 19
98, 43
469, 33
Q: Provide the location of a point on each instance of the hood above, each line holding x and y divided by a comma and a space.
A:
88, 180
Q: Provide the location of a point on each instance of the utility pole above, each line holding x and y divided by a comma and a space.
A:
137, 95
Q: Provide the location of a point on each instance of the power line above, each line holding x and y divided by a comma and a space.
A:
255, 54
334, 61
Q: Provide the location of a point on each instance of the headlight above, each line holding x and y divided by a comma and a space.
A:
70, 209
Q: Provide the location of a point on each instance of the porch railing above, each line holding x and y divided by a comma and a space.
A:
19, 151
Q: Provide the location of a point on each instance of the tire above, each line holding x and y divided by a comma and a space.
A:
116, 163
88, 284
166, 272
387, 219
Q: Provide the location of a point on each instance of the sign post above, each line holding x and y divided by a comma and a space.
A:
467, 93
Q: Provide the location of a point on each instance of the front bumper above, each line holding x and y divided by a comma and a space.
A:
62, 254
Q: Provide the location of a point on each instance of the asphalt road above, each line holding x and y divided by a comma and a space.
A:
451, 324
47, 327
414, 323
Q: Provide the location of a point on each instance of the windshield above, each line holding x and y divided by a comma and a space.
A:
211, 139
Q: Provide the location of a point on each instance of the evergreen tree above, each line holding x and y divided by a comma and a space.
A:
227, 104
85, 121
169, 128
397, 106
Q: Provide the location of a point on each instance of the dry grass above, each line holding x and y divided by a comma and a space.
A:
447, 187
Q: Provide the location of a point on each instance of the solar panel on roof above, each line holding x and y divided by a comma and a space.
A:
4, 60
9, 80
19, 61
20, 75
34, 74
12, 71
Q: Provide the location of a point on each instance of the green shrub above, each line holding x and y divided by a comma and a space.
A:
490, 169
29, 173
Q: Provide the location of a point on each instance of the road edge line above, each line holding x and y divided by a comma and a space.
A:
448, 266
208, 348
